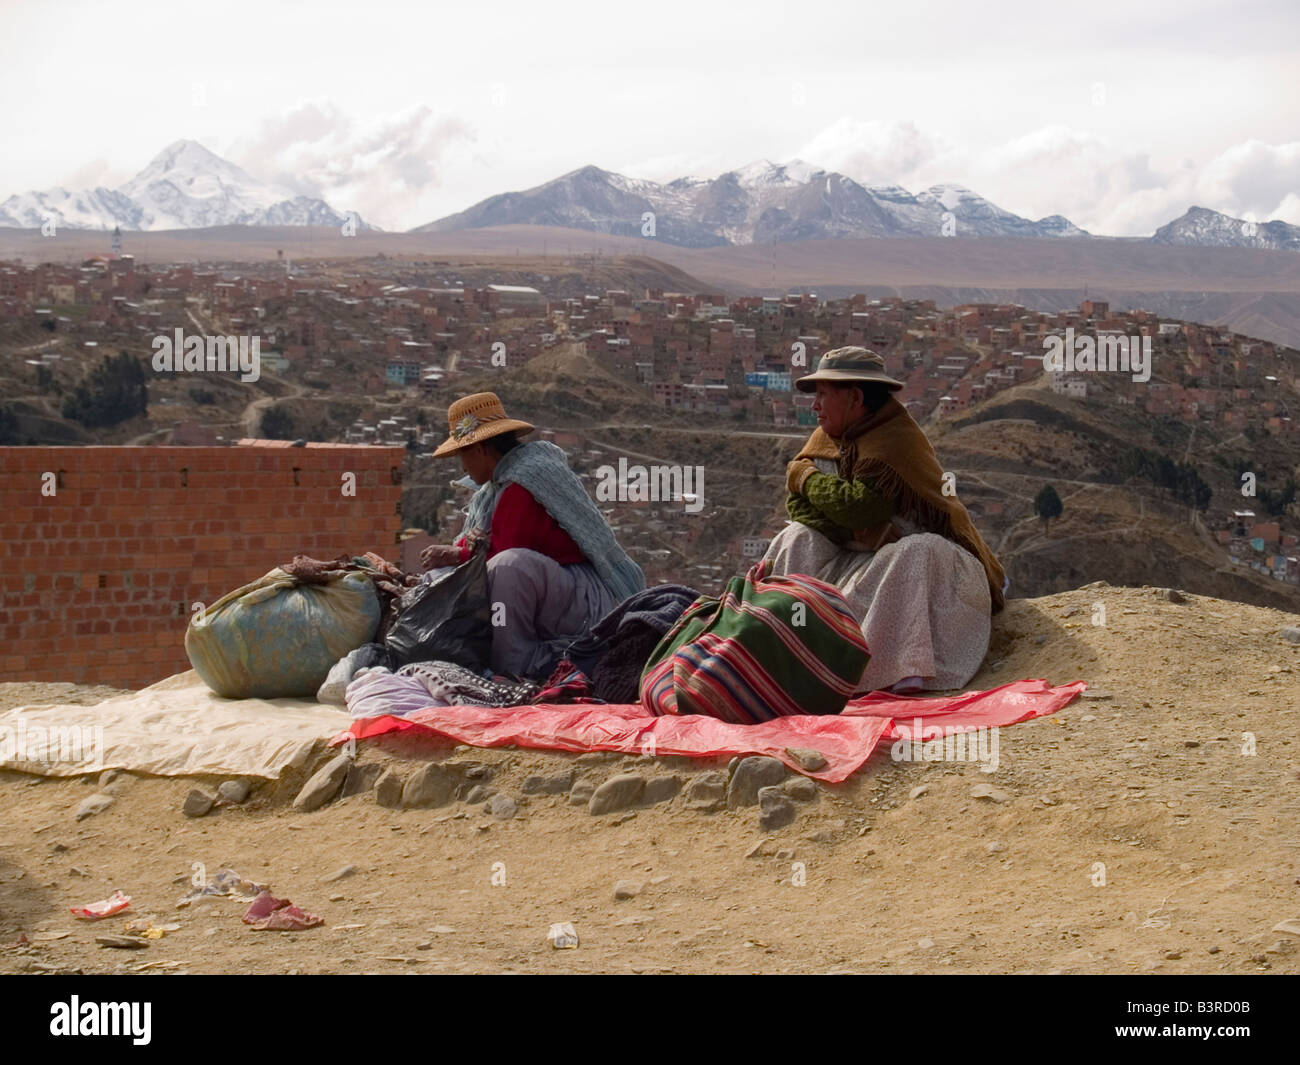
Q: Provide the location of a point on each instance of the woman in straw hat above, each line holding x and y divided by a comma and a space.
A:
554, 566
871, 513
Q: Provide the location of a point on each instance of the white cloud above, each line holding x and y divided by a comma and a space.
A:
1057, 169
872, 151
384, 169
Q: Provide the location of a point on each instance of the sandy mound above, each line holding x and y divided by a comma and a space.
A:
1133, 831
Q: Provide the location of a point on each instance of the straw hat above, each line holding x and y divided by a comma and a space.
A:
848, 364
473, 419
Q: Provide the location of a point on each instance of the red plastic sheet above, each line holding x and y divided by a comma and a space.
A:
845, 740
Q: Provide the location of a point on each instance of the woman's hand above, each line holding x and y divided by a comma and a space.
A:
437, 555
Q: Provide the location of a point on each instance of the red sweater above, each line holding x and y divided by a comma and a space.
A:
520, 521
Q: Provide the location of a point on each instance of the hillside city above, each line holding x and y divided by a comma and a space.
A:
414, 331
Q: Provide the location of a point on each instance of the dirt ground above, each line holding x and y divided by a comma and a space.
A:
900, 869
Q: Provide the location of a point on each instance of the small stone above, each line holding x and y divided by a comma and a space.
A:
198, 802
1213, 950
581, 793
337, 897
431, 786
751, 776
987, 791
323, 785
58, 848
1040, 640
339, 874
502, 807
108, 776
388, 789
785, 854
1172, 595
918, 791
761, 849
122, 942
801, 789
94, 804
706, 792
1290, 633
360, 778
661, 789
1088, 717
807, 758
775, 810
925, 943
617, 793
552, 785
479, 793
627, 889
657, 880
1173, 955
234, 791
994, 847
1290, 926
1093, 693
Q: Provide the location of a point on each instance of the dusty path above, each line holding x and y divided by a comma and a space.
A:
1135, 835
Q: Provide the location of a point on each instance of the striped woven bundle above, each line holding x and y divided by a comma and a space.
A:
770, 647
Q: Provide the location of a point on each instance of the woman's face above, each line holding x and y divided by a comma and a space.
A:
476, 460
837, 407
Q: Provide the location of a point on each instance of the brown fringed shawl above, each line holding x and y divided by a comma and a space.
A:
891, 450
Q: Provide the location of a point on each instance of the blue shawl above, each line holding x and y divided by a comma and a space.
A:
541, 468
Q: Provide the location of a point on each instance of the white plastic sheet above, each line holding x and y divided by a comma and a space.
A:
177, 727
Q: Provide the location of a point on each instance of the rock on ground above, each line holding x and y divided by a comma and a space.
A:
432, 785
775, 809
706, 792
198, 802
324, 785
751, 775
617, 793
95, 804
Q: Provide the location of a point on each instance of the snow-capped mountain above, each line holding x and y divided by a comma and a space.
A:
1207, 228
762, 203
185, 186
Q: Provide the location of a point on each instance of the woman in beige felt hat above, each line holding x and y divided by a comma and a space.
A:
554, 566
871, 512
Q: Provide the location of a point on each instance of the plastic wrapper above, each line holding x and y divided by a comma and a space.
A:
447, 618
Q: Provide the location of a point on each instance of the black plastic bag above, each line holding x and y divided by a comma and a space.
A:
447, 620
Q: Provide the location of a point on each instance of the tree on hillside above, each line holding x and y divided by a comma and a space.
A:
1048, 505
113, 392
277, 424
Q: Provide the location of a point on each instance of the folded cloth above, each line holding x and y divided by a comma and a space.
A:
335, 688
615, 651
452, 685
567, 684
375, 692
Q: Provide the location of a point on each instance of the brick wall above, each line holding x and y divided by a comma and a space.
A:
98, 579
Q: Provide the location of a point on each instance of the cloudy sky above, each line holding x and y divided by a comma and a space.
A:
1118, 114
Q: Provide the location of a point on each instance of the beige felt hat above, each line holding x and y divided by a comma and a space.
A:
473, 419
845, 365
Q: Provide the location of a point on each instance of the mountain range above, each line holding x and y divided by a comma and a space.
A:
185, 186
763, 203
188, 187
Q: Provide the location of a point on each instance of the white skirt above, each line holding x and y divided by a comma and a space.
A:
923, 603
